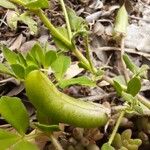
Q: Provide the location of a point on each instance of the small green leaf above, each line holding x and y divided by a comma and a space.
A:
7, 4
36, 4
138, 109
47, 128
107, 146
143, 71
121, 21
10, 56
30, 68
22, 60
127, 97
50, 57
26, 19
126, 135
5, 69
120, 79
7, 139
77, 23
60, 66
117, 142
24, 145
58, 43
13, 110
18, 70
12, 19
80, 80
84, 66
134, 86
130, 65
37, 53
30, 60
118, 87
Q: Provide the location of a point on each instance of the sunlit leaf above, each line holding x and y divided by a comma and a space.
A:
77, 23
30, 68
12, 19
26, 19
10, 56
7, 139
24, 145
22, 60
58, 43
50, 57
35, 4
127, 97
130, 65
7, 4
60, 66
5, 69
15, 113
138, 109
18, 70
121, 21
134, 86
37, 54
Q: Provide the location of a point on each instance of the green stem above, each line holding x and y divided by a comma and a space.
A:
81, 58
56, 34
52, 29
116, 127
94, 70
67, 19
35, 133
144, 101
127, 78
55, 142
19, 2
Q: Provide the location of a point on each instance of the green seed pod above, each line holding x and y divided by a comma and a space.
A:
132, 147
123, 148
137, 142
117, 142
79, 147
125, 143
70, 147
126, 135
92, 147
72, 141
84, 141
78, 133
144, 137
60, 107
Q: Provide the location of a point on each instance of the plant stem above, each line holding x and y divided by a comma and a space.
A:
127, 78
52, 29
67, 19
80, 56
94, 70
55, 142
116, 127
56, 34
144, 101
19, 2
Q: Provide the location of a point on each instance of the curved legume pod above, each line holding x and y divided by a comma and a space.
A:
45, 97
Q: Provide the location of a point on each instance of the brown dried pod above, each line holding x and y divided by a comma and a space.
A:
78, 133
93, 147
